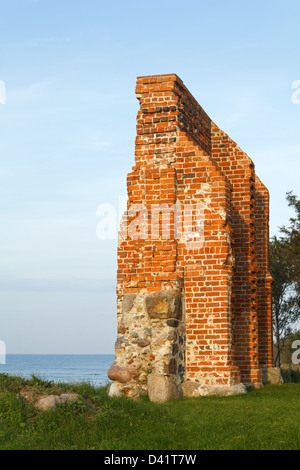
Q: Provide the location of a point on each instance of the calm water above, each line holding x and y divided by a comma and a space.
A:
90, 368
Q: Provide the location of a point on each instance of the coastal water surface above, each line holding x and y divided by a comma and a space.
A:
90, 368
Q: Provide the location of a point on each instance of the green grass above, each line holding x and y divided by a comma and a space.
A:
262, 419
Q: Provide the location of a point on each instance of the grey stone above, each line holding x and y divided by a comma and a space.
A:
190, 389
272, 375
254, 386
164, 304
172, 335
48, 402
160, 389
51, 401
121, 341
143, 342
127, 302
68, 397
147, 332
114, 390
171, 367
173, 323
194, 389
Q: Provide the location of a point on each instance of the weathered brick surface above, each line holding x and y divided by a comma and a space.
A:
197, 227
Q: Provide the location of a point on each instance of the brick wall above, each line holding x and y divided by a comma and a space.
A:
196, 228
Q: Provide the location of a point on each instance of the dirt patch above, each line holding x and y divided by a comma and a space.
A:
33, 395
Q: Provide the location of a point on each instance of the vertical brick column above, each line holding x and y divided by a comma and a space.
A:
207, 267
264, 280
239, 169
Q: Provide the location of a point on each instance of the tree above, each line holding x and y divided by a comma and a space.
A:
292, 236
284, 258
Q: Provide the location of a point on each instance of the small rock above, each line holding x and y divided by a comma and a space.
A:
143, 342
48, 402
171, 367
121, 341
172, 335
173, 323
68, 397
121, 329
114, 390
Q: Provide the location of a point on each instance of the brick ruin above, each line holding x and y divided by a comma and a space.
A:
193, 287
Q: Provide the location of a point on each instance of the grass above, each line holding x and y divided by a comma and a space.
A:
263, 419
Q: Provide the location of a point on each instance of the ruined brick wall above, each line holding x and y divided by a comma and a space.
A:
193, 289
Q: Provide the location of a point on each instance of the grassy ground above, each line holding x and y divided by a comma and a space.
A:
262, 419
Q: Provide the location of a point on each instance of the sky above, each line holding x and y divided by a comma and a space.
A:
67, 134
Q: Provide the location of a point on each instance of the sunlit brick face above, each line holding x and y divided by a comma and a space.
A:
193, 288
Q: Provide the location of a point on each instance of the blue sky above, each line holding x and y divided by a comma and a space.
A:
67, 135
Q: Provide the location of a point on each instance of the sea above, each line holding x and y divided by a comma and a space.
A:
60, 368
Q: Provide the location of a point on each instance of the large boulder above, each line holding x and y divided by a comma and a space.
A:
164, 304
122, 374
160, 389
272, 375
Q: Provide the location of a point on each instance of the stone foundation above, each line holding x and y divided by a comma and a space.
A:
151, 338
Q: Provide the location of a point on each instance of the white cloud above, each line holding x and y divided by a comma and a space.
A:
31, 92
